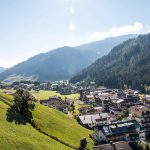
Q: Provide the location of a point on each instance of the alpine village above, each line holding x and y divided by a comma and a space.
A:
74, 75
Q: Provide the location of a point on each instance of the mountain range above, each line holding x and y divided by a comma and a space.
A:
61, 63
127, 64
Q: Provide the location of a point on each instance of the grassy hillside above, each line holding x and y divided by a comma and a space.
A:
5, 98
60, 125
23, 137
51, 121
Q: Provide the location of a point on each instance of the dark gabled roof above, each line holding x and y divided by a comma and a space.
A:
122, 145
54, 101
104, 147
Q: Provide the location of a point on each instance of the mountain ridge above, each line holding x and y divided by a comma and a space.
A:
60, 63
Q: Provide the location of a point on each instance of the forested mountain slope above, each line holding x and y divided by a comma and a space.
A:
126, 64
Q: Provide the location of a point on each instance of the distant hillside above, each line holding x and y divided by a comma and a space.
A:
2, 69
103, 47
50, 121
61, 63
126, 64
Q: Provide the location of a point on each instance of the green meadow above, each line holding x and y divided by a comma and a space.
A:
46, 94
52, 122
25, 137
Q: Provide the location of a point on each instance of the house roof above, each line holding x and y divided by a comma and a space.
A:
118, 101
120, 127
90, 96
122, 145
56, 102
88, 119
138, 109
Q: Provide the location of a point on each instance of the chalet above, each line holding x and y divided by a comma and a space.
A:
115, 111
88, 99
142, 114
130, 91
131, 98
57, 103
54, 86
121, 145
127, 130
146, 100
93, 120
67, 91
102, 100
90, 110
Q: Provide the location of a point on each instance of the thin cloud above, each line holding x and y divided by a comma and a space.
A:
136, 28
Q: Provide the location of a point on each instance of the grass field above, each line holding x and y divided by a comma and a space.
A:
41, 95
48, 120
46, 94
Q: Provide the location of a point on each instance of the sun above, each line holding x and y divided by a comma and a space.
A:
72, 10
72, 27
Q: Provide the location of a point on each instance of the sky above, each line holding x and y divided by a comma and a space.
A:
30, 27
